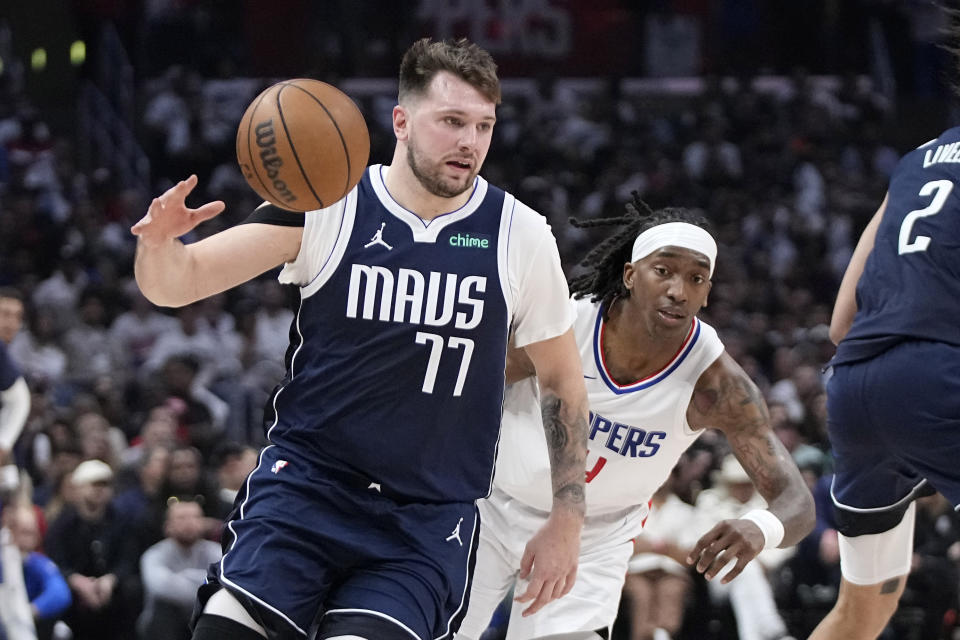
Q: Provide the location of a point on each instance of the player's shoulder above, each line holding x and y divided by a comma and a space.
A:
944, 149
524, 219
707, 332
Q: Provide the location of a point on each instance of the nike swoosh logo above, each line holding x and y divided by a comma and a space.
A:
589, 377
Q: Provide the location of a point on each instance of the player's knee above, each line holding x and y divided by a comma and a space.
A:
214, 627
223, 604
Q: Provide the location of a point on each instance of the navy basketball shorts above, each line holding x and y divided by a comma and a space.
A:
894, 426
302, 549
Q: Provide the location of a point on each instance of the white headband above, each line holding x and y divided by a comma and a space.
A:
675, 234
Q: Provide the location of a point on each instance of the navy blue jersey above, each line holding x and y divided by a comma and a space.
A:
8, 370
910, 287
395, 371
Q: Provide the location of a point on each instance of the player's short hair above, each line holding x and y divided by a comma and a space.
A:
10, 292
602, 276
466, 60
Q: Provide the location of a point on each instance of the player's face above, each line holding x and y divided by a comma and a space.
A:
448, 133
668, 288
11, 318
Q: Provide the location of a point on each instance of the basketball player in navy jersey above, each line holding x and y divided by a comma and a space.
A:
893, 402
657, 377
360, 518
14, 394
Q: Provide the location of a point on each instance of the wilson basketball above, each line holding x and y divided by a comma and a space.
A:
302, 144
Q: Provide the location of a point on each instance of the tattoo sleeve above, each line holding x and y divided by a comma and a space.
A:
726, 399
566, 433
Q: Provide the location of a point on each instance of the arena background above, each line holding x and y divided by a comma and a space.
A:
780, 119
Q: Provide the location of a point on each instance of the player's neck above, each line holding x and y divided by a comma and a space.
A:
405, 188
632, 351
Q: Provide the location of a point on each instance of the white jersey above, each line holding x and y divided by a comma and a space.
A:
637, 432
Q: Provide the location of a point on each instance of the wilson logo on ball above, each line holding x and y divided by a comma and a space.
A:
267, 141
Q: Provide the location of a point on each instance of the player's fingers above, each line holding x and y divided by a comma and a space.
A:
741, 564
531, 592
559, 588
184, 187
569, 582
543, 598
726, 544
208, 210
526, 563
702, 544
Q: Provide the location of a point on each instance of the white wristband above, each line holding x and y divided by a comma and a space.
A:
769, 524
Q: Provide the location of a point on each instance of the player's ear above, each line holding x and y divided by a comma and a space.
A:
401, 122
706, 298
629, 274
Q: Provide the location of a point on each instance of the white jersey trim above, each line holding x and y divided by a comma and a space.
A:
348, 215
649, 381
424, 230
912, 495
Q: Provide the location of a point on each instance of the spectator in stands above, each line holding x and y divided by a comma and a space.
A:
172, 569
90, 543
47, 590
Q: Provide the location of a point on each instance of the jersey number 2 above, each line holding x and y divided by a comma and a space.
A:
940, 189
436, 350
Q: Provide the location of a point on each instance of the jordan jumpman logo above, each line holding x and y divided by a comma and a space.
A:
378, 238
456, 534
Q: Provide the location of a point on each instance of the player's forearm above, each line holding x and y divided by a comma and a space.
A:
565, 424
165, 273
795, 509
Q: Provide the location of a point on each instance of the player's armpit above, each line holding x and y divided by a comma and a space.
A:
726, 399
519, 366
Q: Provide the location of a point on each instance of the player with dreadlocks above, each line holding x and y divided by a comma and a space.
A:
644, 354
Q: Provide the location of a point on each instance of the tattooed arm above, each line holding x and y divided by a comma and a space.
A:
726, 399
550, 558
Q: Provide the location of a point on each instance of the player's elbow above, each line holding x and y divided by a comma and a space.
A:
837, 331
162, 296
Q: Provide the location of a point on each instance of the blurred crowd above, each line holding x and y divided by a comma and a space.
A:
145, 421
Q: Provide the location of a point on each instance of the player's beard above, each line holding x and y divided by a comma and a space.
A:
430, 177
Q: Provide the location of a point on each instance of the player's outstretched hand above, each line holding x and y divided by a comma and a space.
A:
549, 563
737, 539
169, 217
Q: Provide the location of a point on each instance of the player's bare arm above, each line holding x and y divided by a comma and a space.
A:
551, 556
519, 366
845, 307
726, 399
172, 274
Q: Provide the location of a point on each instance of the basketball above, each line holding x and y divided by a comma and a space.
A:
302, 144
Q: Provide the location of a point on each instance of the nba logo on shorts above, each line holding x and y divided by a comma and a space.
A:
279, 464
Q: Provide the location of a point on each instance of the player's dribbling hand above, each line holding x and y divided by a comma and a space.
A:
730, 539
549, 563
169, 217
